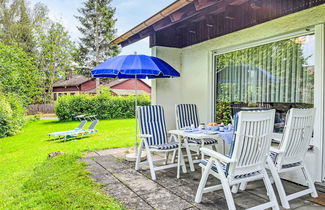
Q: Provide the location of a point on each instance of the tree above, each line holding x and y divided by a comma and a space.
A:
16, 25
55, 50
18, 73
98, 30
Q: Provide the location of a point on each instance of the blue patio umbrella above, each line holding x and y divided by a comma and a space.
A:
134, 66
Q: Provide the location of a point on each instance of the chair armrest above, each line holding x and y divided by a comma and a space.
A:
277, 137
216, 155
144, 135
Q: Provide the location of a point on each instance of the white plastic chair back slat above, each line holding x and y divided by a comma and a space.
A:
152, 121
186, 115
297, 136
252, 142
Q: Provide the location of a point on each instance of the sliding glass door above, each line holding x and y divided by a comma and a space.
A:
277, 75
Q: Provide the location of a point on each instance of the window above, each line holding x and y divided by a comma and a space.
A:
278, 75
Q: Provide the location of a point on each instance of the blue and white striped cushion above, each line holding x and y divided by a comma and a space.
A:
225, 168
274, 156
170, 145
152, 121
214, 167
206, 141
187, 115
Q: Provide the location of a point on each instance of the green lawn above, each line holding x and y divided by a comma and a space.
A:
28, 179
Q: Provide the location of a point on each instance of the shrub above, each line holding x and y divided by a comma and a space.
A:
223, 112
103, 105
12, 115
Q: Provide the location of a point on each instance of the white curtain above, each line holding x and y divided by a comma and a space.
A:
280, 72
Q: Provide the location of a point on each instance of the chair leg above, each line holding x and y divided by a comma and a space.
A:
174, 156
270, 191
204, 178
166, 157
234, 188
227, 192
278, 184
243, 186
138, 160
225, 186
189, 155
183, 163
310, 182
151, 166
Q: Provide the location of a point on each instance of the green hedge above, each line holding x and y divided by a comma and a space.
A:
103, 105
12, 115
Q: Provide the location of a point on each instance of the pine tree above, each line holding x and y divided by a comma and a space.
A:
98, 30
16, 25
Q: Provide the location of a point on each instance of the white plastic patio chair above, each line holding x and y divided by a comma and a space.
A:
187, 115
248, 160
290, 154
154, 138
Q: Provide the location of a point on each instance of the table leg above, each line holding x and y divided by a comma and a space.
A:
189, 156
202, 145
224, 147
179, 157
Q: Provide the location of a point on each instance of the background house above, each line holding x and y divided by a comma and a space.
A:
124, 87
74, 84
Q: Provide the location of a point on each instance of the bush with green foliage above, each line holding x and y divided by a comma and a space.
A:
103, 105
12, 115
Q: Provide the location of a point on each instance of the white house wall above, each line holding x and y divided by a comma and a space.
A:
195, 65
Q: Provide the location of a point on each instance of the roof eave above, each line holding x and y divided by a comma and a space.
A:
152, 20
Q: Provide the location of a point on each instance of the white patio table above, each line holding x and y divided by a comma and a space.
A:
182, 135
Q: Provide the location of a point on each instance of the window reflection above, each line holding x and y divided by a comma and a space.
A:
278, 75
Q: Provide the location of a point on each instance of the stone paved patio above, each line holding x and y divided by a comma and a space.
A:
137, 191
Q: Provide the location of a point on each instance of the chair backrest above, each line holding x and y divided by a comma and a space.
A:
152, 121
252, 141
297, 136
186, 115
93, 124
82, 124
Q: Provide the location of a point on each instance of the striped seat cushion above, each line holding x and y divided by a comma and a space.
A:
186, 115
168, 146
198, 141
214, 167
225, 169
274, 156
152, 121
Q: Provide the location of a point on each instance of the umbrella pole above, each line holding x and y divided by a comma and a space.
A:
133, 156
136, 117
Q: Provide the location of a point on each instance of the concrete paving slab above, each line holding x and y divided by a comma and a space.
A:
104, 178
92, 154
138, 183
137, 203
164, 199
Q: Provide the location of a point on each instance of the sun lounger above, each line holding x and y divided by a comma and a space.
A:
79, 131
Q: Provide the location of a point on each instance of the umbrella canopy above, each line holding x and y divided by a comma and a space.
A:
134, 66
